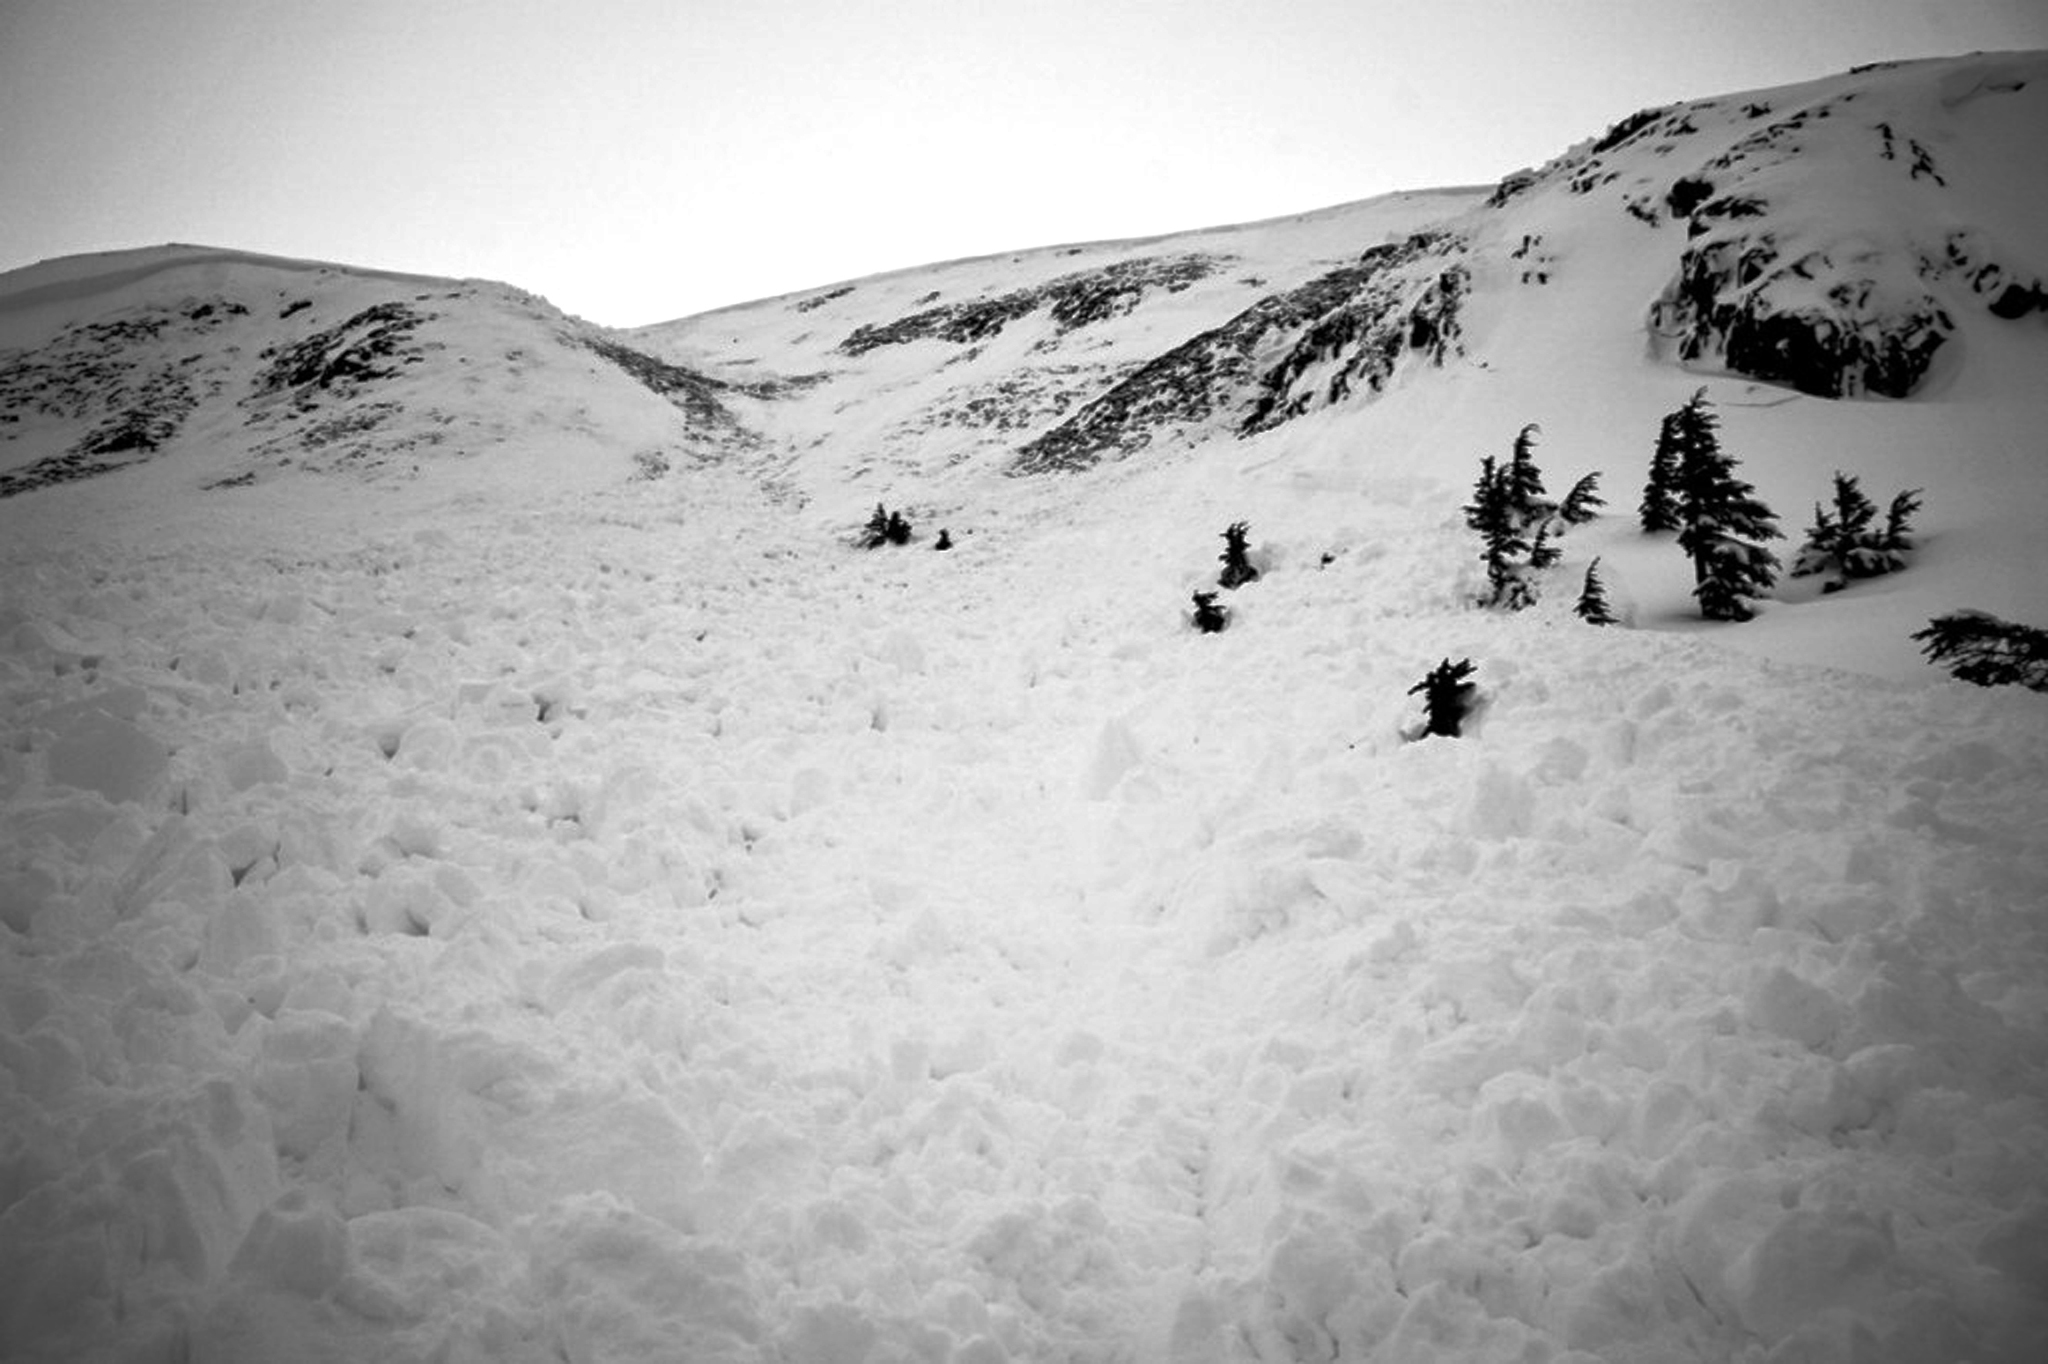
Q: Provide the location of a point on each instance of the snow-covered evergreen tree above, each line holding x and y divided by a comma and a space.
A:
1978, 647
1846, 540
876, 533
1237, 565
1577, 507
1898, 529
1525, 492
1447, 693
1720, 520
1519, 523
1592, 606
1659, 508
885, 527
1504, 547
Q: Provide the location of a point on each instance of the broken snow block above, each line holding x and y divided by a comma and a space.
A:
104, 753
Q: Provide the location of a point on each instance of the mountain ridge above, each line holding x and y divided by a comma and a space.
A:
1839, 239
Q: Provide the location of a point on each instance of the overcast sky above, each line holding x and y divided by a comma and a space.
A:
639, 160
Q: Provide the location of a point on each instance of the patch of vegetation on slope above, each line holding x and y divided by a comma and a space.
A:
1074, 301
1347, 327
131, 376
374, 344
696, 395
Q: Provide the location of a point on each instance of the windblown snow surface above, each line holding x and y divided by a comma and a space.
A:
490, 873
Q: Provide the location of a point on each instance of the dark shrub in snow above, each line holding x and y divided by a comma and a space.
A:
1846, 540
1237, 567
885, 527
1208, 617
1518, 523
1447, 696
1578, 504
1592, 605
1979, 647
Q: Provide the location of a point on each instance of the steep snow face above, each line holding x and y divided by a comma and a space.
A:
512, 883
1834, 231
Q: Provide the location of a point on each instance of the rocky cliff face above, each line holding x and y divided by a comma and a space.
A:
1820, 252
1287, 354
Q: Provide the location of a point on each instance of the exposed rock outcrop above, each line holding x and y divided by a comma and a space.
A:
1345, 329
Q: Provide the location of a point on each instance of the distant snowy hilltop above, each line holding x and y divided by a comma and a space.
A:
496, 864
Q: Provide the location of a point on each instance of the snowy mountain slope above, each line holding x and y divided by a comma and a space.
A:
1829, 236
928, 370
564, 903
1856, 236
236, 366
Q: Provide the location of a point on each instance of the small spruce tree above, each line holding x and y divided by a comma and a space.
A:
885, 527
1524, 480
1847, 541
1578, 504
1237, 565
1209, 618
1447, 693
1504, 547
1659, 509
1592, 606
1720, 520
876, 533
945, 540
1519, 524
1978, 647
1488, 507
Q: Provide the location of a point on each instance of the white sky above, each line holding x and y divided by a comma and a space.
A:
636, 160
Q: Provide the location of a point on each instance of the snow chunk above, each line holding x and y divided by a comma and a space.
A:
1807, 1264
411, 1264
296, 1245
616, 1285
98, 751
1783, 1003
405, 900
306, 1075
1116, 753
251, 763
1502, 805
830, 1333
175, 1194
